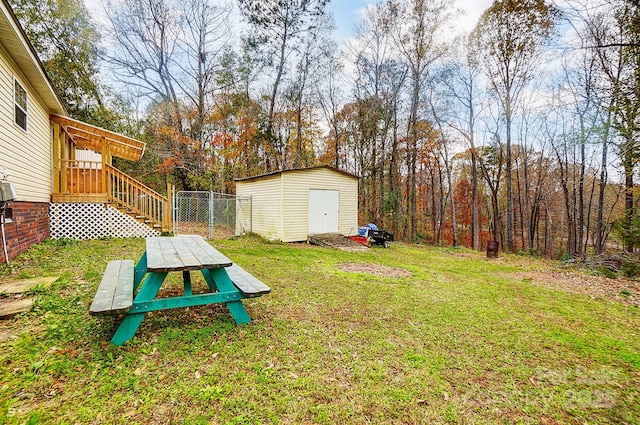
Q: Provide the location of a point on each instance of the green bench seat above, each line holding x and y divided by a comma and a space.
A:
249, 285
115, 293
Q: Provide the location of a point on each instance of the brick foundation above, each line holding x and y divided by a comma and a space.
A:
30, 226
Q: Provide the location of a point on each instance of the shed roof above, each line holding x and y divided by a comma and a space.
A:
275, 173
16, 43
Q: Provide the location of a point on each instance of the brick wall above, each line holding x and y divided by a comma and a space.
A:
30, 225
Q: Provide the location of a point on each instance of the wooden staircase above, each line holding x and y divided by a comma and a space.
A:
135, 199
80, 177
99, 182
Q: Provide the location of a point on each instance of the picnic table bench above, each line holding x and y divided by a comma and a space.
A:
132, 289
115, 293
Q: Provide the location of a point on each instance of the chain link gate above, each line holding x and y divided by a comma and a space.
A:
211, 214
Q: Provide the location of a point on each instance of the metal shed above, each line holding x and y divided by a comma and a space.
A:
292, 204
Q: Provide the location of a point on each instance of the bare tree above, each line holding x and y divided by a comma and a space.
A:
462, 90
169, 53
278, 25
203, 42
609, 32
330, 94
378, 78
418, 33
507, 43
314, 54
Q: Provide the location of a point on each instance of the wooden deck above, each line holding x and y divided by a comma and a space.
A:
94, 179
79, 197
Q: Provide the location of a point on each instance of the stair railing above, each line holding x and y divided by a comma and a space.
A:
128, 193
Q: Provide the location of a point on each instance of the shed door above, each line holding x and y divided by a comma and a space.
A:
323, 211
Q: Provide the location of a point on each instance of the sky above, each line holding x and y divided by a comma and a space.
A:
348, 12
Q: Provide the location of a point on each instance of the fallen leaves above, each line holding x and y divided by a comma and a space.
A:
375, 269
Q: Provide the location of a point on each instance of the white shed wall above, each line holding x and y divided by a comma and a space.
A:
27, 155
266, 205
280, 203
296, 200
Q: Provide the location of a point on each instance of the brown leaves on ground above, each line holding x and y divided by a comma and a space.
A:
620, 289
375, 269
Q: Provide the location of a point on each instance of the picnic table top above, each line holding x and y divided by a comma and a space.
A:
180, 253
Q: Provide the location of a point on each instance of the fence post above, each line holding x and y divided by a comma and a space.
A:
168, 209
174, 212
211, 215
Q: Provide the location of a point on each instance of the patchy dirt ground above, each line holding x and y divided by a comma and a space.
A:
575, 281
338, 241
374, 269
621, 289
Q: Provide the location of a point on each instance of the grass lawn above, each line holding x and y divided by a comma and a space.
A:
462, 339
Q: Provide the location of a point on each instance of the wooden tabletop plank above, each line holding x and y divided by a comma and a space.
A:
171, 259
176, 253
161, 255
208, 255
155, 260
183, 249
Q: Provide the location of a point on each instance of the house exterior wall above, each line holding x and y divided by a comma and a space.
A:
266, 205
30, 225
280, 202
27, 155
296, 201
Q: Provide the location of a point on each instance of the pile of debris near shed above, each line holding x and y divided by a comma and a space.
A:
368, 235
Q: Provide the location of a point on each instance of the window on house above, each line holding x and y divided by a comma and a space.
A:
20, 98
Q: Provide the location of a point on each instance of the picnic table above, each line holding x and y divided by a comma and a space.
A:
132, 289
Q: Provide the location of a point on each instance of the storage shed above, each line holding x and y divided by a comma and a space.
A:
292, 204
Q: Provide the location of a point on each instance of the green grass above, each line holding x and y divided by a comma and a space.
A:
462, 340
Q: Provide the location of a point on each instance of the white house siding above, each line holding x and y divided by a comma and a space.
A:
296, 200
27, 155
89, 155
266, 205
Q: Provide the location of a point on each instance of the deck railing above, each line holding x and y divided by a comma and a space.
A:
81, 177
88, 178
128, 193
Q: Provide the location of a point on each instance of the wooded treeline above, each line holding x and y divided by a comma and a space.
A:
524, 130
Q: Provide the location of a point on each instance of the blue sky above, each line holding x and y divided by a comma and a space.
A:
348, 12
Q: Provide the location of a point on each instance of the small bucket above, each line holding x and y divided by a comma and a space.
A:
492, 249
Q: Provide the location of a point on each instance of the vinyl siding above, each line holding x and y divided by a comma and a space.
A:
265, 205
296, 201
27, 155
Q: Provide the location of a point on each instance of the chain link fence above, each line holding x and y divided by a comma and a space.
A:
211, 215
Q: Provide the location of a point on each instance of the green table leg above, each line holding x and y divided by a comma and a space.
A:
186, 278
139, 271
131, 321
218, 280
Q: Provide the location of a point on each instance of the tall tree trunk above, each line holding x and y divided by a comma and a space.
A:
475, 222
580, 249
628, 194
508, 172
603, 185
454, 224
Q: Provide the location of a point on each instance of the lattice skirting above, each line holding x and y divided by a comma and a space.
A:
93, 221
